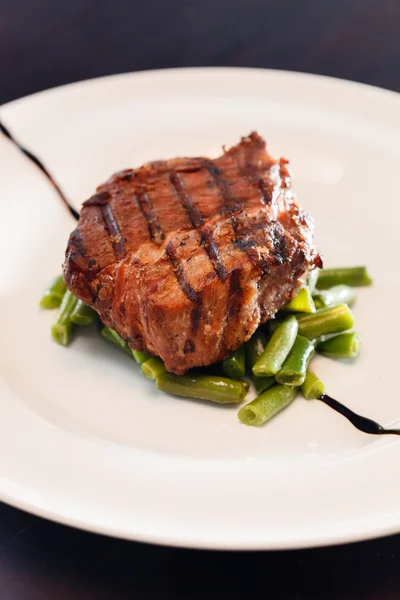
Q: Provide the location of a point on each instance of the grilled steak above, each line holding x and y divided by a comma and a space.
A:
186, 257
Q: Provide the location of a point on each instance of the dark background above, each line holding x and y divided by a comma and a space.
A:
44, 43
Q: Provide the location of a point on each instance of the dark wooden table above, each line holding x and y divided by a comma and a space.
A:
44, 43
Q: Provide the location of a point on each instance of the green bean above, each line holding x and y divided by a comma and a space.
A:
339, 294
312, 386
53, 295
346, 345
235, 365
203, 387
324, 321
254, 348
303, 302
62, 328
153, 367
354, 276
112, 336
83, 314
266, 405
277, 349
140, 357
312, 280
263, 383
319, 303
294, 369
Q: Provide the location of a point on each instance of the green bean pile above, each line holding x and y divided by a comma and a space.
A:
276, 358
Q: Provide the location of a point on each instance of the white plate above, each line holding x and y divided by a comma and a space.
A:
84, 438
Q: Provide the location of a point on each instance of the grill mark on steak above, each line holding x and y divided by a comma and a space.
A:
279, 244
189, 347
230, 203
98, 199
207, 241
76, 241
235, 293
186, 200
234, 302
265, 194
298, 263
190, 293
259, 261
127, 176
113, 231
77, 248
206, 237
146, 208
177, 268
318, 262
250, 171
195, 317
249, 247
140, 343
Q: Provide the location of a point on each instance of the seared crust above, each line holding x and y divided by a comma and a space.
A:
185, 258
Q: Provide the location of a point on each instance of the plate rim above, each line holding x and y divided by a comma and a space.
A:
211, 69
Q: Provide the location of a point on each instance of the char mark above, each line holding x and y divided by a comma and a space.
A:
207, 241
98, 199
146, 208
250, 171
266, 191
186, 200
113, 231
195, 317
230, 202
248, 246
76, 241
235, 293
196, 219
177, 268
76, 250
299, 263
234, 304
127, 176
188, 347
279, 244
318, 262
139, 343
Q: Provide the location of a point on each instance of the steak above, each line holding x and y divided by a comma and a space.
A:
185, 258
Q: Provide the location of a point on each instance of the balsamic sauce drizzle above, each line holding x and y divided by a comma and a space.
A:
359, 422
41, 166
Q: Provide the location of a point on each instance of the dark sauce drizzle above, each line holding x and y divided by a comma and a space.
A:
359, 422
41, 166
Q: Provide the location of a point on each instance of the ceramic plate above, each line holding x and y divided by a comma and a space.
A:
85, 439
